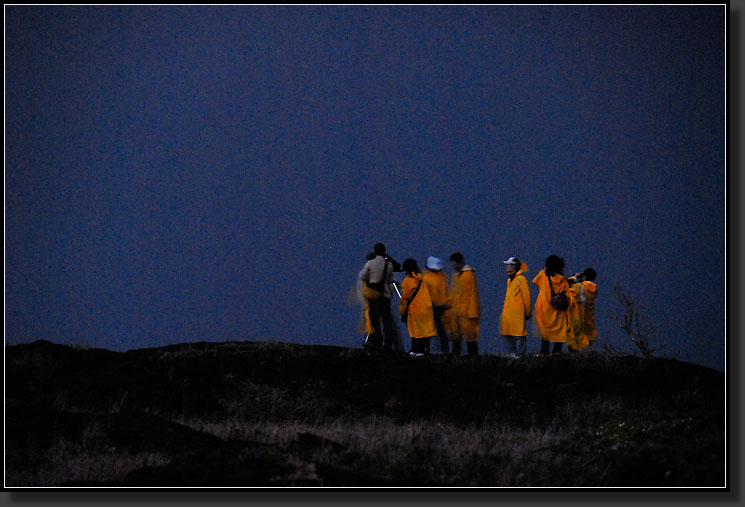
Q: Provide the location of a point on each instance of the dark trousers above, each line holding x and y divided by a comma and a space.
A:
471, 347
545, 344
380, 311
420, 345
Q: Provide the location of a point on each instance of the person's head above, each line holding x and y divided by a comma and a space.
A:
457, 261
410, 266
370, 256
434, 263
379, 249
512, 266
590, 274
554, 265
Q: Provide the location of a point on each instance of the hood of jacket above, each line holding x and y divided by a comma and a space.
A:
591, 287
521, 271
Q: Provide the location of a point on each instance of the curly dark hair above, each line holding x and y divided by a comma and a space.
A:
410, 266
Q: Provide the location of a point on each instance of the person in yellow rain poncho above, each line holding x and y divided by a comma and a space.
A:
466, 310
416, 309
583, 292
576, 339
437, 285
517, 307
553, 324
591, 292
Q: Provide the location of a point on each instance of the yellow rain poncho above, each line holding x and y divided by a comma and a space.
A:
591, 292
517, 305
420, 320
576, 313
369, 329
437, 285
553, 324
465, 295
356, 297
466, 306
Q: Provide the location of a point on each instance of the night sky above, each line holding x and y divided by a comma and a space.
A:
178, 174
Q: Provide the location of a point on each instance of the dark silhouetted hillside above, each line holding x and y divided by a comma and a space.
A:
243, 414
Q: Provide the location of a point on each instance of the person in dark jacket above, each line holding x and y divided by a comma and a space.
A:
376, 278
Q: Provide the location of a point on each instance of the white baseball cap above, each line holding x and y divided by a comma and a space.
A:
512, 260
434, 262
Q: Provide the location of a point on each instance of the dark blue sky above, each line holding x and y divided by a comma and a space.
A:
178, 174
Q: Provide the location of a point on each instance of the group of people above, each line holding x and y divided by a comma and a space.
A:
564, 310
433, 309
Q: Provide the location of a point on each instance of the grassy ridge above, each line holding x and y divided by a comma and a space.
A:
260, 414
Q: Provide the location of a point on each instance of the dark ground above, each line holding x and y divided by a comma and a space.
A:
631, 422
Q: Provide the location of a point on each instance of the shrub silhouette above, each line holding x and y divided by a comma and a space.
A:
640, 331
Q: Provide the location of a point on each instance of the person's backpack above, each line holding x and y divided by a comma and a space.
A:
559, 301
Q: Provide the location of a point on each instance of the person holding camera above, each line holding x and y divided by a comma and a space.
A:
576, 312
552, 305
466, 306
583, 291
517, 306
590, 292
376, 278
416, 309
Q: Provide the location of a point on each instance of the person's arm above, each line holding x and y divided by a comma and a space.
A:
396, 266
406, 290
389, 277
473, 303
536, 279
364, 275
525, 293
